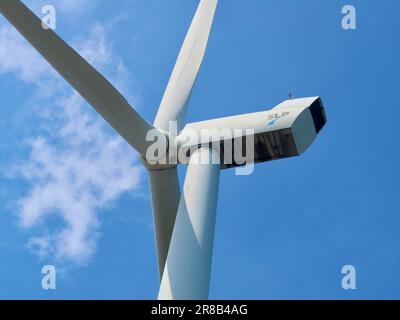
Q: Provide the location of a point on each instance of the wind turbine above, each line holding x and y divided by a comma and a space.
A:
184, 224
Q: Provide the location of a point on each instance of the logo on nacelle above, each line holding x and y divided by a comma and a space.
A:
274, 118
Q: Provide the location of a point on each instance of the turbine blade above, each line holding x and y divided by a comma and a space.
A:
93, 87
176, 97
165, 196
187, 270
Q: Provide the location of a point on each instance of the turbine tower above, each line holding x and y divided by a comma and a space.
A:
184, 223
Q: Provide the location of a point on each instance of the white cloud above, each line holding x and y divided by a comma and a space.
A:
18, 58
39, 246
70, 7
74, 5
77, 167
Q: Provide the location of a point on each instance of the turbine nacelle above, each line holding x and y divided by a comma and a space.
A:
284, 131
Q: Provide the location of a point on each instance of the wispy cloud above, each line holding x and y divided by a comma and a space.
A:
76, 167
17, 58
70, 7
74, 5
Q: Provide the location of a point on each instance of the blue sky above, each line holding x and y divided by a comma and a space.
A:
282, 233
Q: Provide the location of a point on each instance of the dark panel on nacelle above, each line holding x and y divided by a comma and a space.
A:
318, 114
268, 146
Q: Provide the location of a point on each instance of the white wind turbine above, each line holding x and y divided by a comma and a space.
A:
184, 224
